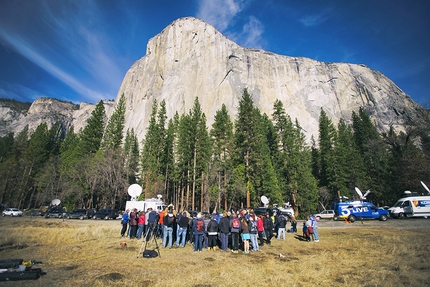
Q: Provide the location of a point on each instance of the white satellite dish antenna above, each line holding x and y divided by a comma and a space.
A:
56, 202
362, 197
159, 196
134, 191
264, 200
425, 186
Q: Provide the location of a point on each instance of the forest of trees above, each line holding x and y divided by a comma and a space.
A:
229, 165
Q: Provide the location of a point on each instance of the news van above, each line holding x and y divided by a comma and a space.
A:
411, 206
134, 191
142, 205
353, 210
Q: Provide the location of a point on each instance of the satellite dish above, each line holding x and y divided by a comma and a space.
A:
159, 196
264, 200
56, 202
134, 191
362, 197
425, 186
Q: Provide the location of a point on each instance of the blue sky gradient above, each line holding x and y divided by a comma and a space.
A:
80, 50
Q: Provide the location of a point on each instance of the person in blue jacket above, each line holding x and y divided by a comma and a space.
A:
124, 222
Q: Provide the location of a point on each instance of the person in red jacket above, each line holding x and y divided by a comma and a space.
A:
140, 224
260, 229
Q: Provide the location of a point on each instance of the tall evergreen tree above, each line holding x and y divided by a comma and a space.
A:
222, 148
375, 155
348, 163
252, 151
113, 135
92, 134
327, 133
131, 152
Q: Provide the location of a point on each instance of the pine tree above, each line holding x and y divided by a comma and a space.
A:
153, 147
294, 164
349, 166
92, 134
327, 134
113, 134
131, 152
252, 150
374, 153
222, 148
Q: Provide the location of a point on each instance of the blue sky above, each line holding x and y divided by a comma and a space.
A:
80, 50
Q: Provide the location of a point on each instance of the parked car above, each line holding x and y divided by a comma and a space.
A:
35, 212
325, 214
106, 214
55, 211
12, 212
81, 214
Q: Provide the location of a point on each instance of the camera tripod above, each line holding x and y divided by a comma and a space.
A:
150, 234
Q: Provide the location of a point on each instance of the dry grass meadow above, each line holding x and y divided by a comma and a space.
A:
88, 253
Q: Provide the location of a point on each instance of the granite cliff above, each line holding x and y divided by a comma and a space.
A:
190, 58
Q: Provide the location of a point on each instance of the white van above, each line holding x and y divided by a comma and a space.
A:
155, 203
411, 206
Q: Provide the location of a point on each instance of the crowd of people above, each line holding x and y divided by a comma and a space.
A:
242, 230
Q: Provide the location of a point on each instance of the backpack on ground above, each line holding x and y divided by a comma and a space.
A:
200, 225
235, 223
150, 254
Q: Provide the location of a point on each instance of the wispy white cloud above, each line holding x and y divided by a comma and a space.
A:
316, 19
25, 49
71, 45
219, 13
252, 32
223, 14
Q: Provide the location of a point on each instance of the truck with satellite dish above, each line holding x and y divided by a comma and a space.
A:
135, 191
412, 205
359, 209
55, 210
285, 210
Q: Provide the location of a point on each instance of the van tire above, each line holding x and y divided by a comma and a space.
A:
352, 218
401, 215
336, 218
383, 217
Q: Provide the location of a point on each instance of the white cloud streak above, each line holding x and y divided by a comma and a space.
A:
219, 13
222, 15
73, 46
316, 19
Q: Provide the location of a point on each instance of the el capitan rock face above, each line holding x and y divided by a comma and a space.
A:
190, 58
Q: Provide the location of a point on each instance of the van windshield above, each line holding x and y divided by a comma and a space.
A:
398, 204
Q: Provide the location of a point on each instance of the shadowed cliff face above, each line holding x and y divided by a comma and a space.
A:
190, 58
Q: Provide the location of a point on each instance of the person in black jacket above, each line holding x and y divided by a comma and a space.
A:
268, 228
169, 224
182, 230
224, 229
212, 230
